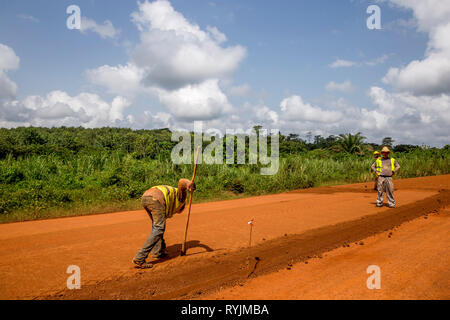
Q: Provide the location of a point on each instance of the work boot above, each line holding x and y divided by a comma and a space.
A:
142, 264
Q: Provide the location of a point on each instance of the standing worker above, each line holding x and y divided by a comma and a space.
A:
384, 168
376, 155
161, 203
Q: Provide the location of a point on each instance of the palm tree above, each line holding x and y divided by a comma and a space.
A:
351, 143
388, 142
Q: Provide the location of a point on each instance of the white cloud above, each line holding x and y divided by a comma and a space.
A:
196, 102
431, 75
294, 109
218, 36
177, 62
261, 114
175, 52
58, 108
8, 89
345, 87
124, 80
339, 63
8, 61
416, 119
8, 58
105, 30
429, 13
158, 120
407, 118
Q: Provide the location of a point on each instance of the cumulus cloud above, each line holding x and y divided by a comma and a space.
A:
176, 61
105, 30
196, 102
175, 52
8, 58
345, 86
8, 61
429, 13
58, 108
431, 75
124, 80
8, 88
294, 109
408, 118
413, 118
261, 114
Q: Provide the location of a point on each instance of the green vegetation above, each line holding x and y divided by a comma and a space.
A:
70, 171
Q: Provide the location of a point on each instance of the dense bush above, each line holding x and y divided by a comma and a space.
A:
53, 172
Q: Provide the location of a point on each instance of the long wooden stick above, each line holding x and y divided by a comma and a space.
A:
183, 248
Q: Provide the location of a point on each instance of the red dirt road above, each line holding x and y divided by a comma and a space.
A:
414, 262
289, 227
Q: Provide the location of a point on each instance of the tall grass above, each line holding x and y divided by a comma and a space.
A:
38, 187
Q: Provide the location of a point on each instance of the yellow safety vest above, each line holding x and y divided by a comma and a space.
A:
171, 199
380, 165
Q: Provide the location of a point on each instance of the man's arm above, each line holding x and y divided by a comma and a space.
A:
396, 167
183, 186
374, 167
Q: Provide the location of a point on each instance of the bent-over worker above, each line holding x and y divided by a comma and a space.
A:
161, 203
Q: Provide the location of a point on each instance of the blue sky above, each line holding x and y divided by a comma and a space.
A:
277, 51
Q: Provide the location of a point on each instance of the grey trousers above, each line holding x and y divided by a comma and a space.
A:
386, 186
155, 242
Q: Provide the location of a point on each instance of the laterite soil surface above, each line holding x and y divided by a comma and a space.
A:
306, 244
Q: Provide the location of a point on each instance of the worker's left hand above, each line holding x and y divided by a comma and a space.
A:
191, 186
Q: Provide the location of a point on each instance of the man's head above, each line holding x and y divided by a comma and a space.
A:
376, 154
385, 152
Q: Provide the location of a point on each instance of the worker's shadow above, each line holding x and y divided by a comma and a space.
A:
174, 251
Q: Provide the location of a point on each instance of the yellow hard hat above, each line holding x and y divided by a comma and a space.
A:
376, 153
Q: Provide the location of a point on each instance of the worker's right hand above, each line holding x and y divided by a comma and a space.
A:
192, 186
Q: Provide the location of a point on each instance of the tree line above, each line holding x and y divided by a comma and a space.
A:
154, 144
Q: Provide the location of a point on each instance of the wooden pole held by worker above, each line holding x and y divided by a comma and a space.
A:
183, 248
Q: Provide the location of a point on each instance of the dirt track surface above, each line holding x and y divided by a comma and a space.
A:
414, 261
289, 228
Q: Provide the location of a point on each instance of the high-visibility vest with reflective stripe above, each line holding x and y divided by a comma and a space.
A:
171, 199
380, 165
